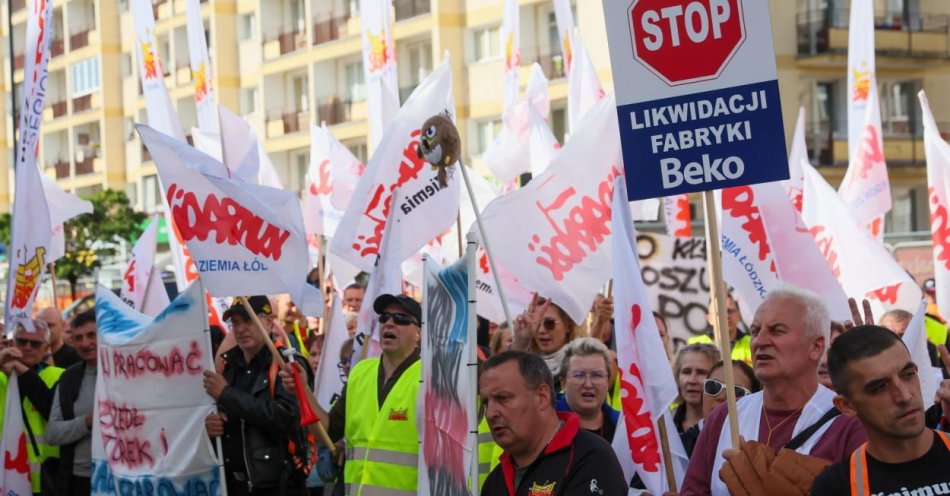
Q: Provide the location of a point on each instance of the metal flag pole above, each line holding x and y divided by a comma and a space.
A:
217, 440
471, 262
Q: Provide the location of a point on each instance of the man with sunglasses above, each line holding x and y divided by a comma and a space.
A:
37, 383
376, 410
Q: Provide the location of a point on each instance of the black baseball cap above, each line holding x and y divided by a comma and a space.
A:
260, 304
407, 303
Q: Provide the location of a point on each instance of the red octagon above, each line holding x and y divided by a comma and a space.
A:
685, 41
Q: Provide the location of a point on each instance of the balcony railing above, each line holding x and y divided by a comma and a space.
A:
897, 33
82, 103
406, 9
18, 61
287, 40
86, 166
18, 5
59, 108
334, 111
62, 168
827, 142
291, 120
552, 65
79, 40
326, 28
57, 47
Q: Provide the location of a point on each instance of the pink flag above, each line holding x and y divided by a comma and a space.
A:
583, 85
15, 471
427, 209
677, 216
865, 187
31, 232
553, 234
379, 67
938, 185
798, 153
863, 266
645, 373
246, 238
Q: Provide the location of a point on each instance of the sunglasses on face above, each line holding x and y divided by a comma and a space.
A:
23, 343
712, 387
398, 318
549, 323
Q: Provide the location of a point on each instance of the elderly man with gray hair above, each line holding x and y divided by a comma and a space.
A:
37, 383
791, 429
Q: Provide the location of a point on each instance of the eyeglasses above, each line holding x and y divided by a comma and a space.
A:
549, 323
398, 318
23, 343
597, 377
712, 387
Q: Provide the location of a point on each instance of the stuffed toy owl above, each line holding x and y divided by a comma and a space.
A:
439, 145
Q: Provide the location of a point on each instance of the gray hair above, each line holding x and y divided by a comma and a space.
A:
816, 317
40, 327
584, 347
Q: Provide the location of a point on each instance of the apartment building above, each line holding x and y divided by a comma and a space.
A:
286, 63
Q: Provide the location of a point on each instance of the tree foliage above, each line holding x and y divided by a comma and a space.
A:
90, 237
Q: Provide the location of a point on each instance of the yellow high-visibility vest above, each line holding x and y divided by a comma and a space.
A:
741, 349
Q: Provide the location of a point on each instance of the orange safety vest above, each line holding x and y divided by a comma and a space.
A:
859, 467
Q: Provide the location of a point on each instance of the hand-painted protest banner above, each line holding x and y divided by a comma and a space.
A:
245, 238
148, 432
674, 272
709, 123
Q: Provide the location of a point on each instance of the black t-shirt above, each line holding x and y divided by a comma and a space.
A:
925, 475
65, 357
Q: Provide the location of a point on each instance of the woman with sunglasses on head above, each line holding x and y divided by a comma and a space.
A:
714, 394
544, 329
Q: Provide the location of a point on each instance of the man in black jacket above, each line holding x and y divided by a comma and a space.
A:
545, 452
256, 415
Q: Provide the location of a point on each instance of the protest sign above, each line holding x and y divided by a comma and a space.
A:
148, 425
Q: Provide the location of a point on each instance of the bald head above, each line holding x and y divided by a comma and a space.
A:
54, 320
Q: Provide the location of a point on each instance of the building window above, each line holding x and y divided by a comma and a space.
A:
247, 27
299, 87
487, 43
249, 100
487, 131
420, 61
899, 114
85, 76
301, 164
355, 84
151, 193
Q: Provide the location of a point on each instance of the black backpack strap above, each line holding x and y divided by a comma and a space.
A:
803, 436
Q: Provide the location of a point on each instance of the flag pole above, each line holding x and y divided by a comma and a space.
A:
667, 456
217, 440
52, 274
316, 427
471, 266
718, 290
491, 258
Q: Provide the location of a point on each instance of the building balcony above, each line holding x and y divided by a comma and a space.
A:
327, 28
406, 9
57, 47
334, 110
62, 168
86, 166
18, 61
903, 144
825, 31
289, 122
82, 103
552, 65
58, 109
18, 5
277, 44
79, 40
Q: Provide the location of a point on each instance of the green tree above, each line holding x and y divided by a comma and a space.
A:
92, 236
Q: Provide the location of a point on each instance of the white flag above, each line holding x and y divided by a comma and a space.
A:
564, 17
584, 88
30, 236
62, 207
205, 105
158, 104
645, 373
243, 153
553, 234
136, 276
427, 209
915, 338
864, 267
511, 45
676, 214
15, 471
328, 380
865, 187
156, 297
938, 185
862, 72
332, 178
798, 153
246, 238
379, 68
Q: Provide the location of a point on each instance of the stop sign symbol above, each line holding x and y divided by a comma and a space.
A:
686, 41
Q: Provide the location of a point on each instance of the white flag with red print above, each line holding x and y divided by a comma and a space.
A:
679, 222
938, 187
863, 266
564, 17
862, 72
158, 104
426, 209
554, 233
243, 153
31, 232
798, 153
645, 374
865, 187
205, 105
584, 88
62, 207
379, 67
15, 471
137, 272
328, 378
511, 50
245, 238
331, 180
